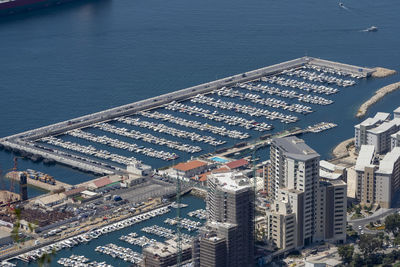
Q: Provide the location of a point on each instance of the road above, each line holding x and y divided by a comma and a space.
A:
379, 215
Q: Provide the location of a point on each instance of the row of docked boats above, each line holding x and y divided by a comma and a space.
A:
218, 130
335, 71
148, 138
88, 150
81, 261
134, 239
125, 254
105, 140
184, 223
162, 128
199, 214
291, 94
244, 109
93, 234
257, 99
159, 231
308, 87
318, 77
219, 117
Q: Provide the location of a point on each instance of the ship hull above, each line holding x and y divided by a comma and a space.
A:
18, 6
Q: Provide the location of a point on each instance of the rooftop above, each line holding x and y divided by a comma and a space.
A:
365, 157
386, 165
295, 148
327, 165
231, 181
49, 199
102, 182
395, 135
75, 191
379, 117
385, 126
190, 165
203, 177
329, 175
165, 249
237, 163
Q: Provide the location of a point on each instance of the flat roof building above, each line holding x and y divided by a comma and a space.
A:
295, 166
377, 182
230, 220
377, 131
165, 254
189, 169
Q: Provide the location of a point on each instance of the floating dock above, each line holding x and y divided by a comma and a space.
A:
26, 142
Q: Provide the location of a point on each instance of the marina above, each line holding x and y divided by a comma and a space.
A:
123, 253
81, 261
185, 223
70, 242
242, 117
200, 214
219, 130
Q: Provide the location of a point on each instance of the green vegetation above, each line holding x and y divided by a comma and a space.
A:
357, 216
346, 253
392, 223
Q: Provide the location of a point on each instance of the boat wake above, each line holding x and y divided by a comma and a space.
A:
343, 6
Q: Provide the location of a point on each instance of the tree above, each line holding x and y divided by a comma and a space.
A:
346, 253
358, 261
369, 244
358, 210
392, 224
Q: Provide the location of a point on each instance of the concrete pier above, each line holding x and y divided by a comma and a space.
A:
24, 141
36, 183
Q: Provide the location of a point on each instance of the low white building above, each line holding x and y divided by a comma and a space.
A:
139, 168
51, 200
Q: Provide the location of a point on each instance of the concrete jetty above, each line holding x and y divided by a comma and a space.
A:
376, 97
36, 183
25, 141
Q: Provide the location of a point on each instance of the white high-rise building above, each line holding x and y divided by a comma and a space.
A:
295, 166
316, 208
228, 236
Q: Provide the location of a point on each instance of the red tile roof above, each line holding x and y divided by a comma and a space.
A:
102, 182
75, 191
186, 166
237, 163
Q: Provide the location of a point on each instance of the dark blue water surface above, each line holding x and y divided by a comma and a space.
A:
76, 59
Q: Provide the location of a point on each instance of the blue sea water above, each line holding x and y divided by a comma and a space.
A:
79, 58
87, 56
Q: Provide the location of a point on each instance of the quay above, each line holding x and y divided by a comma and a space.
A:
27, 142
14, 175
256, 144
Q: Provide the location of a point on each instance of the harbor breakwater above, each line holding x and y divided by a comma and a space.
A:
379, 94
